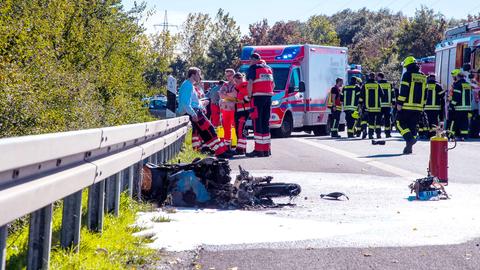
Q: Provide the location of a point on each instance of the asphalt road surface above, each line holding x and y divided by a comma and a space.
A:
376, 229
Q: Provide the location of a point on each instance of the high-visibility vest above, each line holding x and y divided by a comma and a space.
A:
263, 83
434, 97
387, 94
462, 96
372, 97
242, 92
350, 97
416, 93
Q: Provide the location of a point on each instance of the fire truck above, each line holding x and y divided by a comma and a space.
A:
459, 49
303, 76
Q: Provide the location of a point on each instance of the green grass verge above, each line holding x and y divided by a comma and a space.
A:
115, 248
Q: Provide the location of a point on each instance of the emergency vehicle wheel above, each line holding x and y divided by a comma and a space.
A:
286, 129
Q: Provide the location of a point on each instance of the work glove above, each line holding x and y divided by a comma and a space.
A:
355, 115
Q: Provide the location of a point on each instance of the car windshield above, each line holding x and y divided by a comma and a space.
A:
157, 104
280, 74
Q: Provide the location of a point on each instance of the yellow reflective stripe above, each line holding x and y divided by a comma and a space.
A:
405, 83
402, 98
457, 91
402, 131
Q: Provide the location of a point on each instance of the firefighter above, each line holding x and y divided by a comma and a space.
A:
371, 96
388, 100
334, 104
461, 105
362, 121
242, 111
202, 129
435, 105
260, 90
410, 102
350, 94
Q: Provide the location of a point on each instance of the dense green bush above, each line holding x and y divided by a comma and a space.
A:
67, 65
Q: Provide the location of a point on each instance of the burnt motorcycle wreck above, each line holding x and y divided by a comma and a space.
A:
207, 183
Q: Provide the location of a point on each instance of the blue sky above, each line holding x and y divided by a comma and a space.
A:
249, 11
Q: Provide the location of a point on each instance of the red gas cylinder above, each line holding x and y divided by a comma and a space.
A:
439, 158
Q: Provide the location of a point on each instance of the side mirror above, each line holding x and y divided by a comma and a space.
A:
467, 53
301, 87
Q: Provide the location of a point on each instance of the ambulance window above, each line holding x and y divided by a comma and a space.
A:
280, 76
294, 80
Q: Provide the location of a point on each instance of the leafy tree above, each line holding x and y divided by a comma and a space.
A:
258, 34
69, 65
420, 34
319, 30
224, 48
195, 37
161, 55
283, 33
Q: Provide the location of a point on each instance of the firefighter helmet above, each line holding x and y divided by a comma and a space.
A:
455, 72
408, 61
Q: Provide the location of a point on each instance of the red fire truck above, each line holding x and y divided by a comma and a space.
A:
459, 49
303, 76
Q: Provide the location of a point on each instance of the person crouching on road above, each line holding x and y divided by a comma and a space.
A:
350, 94
243, 108
202, 129
410, 102
228, 95
334, 104
260, 90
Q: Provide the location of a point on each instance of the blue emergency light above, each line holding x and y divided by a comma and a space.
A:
247, 51
289, 53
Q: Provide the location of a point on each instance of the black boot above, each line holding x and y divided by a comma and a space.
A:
387, 134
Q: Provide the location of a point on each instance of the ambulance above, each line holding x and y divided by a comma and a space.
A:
303, 76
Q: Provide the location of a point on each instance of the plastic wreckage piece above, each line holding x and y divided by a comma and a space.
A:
207, 183
186, 189
427, 189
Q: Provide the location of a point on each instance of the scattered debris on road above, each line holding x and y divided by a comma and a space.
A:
334, 196
207, 183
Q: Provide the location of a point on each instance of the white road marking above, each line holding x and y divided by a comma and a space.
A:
374, 163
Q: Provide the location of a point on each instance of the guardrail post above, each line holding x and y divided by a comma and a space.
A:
112, 194
96, 200
3, 246
130, 180
71, 221
137, 179
40, 238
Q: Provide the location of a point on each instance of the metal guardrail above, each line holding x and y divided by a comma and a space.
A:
36, 171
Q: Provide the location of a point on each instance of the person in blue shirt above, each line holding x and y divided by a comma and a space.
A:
202, 128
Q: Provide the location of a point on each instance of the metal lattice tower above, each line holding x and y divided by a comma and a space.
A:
165, 23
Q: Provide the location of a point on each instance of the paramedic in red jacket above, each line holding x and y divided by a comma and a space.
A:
260, 89
242, 111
